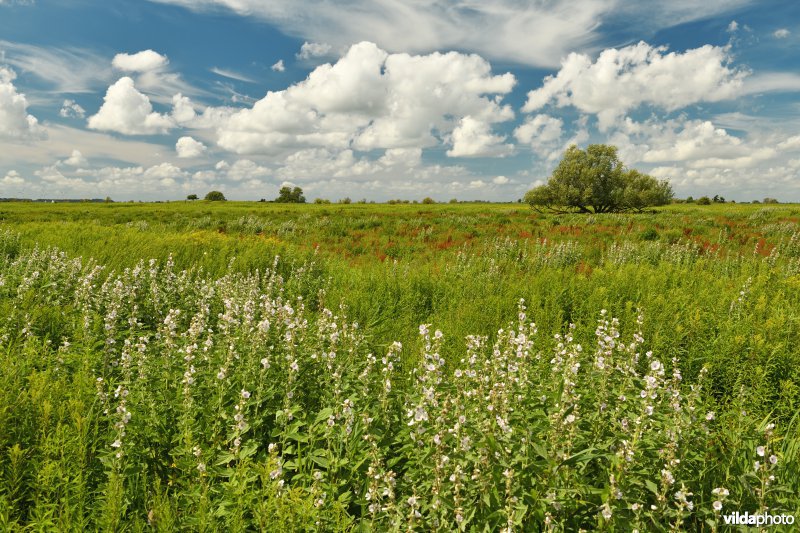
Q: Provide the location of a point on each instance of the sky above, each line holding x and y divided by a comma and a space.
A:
382, 99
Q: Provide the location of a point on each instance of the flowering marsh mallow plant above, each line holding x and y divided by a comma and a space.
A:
247, 401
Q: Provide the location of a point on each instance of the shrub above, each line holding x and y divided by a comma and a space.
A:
215, 196
288, 195
595, 181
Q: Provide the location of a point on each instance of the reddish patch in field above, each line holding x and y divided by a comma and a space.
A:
708, 248
687, 231
763, 247
575, 231
525, 235
584, 268
444, 245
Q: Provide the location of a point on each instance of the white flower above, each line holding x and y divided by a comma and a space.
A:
773, 459
760, 451
116, 444
201, 467
606, 512
412, 500
710, 416
717, 505
245, 394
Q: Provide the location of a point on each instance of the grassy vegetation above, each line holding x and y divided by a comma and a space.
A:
220, 388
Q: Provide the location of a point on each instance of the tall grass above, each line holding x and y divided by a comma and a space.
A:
323, 391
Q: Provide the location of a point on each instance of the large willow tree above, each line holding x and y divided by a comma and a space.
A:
595, 181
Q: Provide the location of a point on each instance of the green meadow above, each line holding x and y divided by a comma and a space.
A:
240, 366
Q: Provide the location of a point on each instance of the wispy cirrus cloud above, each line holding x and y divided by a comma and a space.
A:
62, 69
227, 73
534, 33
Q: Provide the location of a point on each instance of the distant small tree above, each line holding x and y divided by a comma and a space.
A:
215, 196
704, 200
428, 200
453, 200
321, 201
718, 199
192, 197
595, 181
769, 200
288, 195
689, 200
108, 200
346, 200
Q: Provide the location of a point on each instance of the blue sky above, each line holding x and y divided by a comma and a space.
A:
155, 100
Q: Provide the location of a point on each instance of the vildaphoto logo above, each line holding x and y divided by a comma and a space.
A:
757, 519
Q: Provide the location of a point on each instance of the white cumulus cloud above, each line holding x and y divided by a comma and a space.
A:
278, 66
71, 109
76, 159
311, 50
143, 61
474, 138
620, 80
128, 111
541, 132
187, 147
12, 178
781, 33
370, 99
182, 109
15, 122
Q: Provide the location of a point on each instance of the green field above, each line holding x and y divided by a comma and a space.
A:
377, 367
